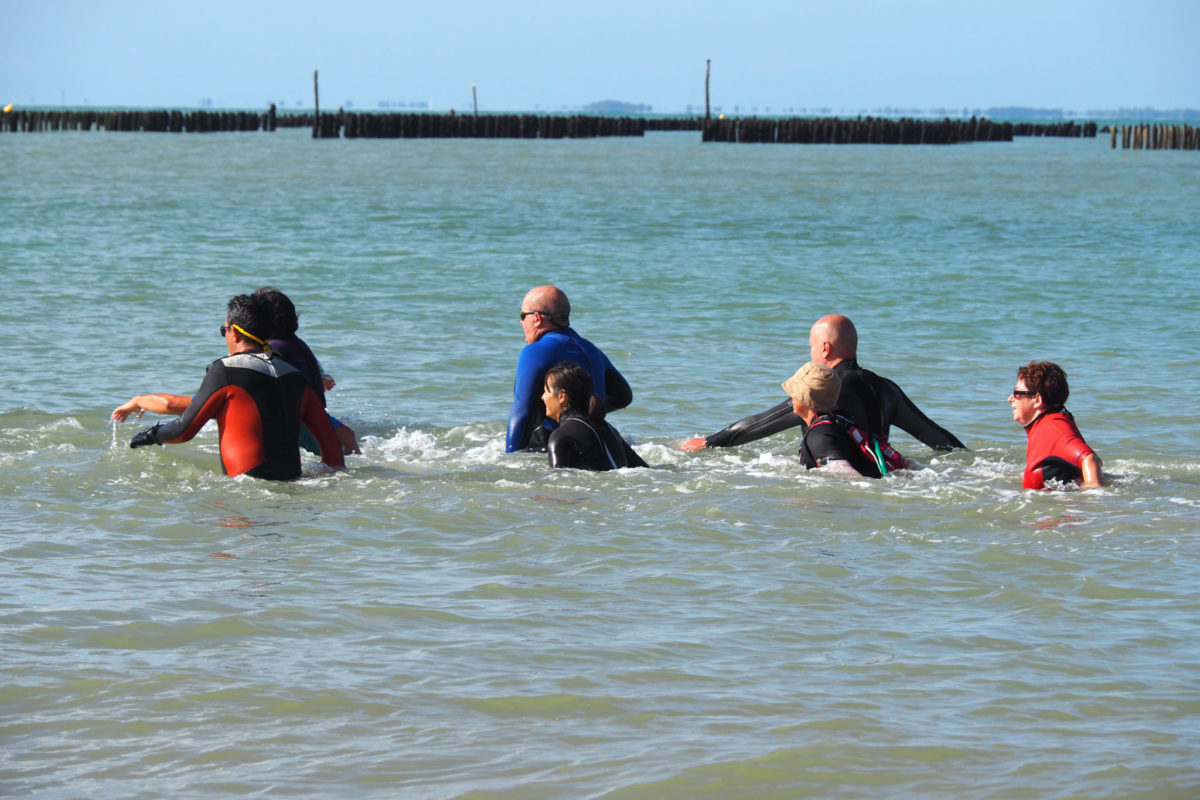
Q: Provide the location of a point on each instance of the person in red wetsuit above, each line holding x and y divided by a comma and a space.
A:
257, 398
1056, 449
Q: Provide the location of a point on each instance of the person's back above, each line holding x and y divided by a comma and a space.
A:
296, 352
259, 402
828, 440
583, 443
876, 403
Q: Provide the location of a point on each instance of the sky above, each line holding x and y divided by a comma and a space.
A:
767, 56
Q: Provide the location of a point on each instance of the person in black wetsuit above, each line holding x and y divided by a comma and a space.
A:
583, 439
292, 349
257, 398
814, 391
871, 401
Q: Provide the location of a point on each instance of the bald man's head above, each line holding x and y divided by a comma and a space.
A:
544, 309
832, 340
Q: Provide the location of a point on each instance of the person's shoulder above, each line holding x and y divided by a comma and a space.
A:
851, 370
269, 363
548, 346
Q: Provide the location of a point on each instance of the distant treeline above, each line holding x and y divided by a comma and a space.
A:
1064, 129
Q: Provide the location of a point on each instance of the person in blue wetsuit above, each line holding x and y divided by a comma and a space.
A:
549, 339
583, 439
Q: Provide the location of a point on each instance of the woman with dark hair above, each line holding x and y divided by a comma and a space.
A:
293, 350
583, 439
1056, 449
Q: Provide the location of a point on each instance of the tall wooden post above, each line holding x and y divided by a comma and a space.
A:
474, 99
316, 109
707, 69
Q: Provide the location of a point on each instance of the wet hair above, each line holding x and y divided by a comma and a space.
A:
573, 379
251, 313
1047, 379
284, 312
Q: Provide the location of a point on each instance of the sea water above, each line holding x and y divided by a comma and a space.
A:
443, 620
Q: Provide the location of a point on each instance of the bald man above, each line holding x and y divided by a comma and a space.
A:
549, 339
872, 401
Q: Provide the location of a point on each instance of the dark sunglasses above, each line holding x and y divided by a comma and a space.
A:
525, 314
1023, 392
224, 330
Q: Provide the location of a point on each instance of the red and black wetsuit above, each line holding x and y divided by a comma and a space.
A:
259, 401
1055, 452
872, 401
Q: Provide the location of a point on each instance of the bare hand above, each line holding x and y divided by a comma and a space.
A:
347, 440
122, 412
698, 443
327, 382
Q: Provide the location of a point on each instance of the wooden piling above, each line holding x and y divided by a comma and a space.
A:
316, 109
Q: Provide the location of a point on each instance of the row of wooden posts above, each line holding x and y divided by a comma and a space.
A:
796, 130
149, 121
466, 126
1156, 137
869, 130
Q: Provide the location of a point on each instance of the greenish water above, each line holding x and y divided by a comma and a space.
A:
445, 620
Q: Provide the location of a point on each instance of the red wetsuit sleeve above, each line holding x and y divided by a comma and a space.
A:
316, 419
239, 427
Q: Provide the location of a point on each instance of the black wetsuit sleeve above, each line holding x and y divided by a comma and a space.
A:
773, 420
617, 391
909, 418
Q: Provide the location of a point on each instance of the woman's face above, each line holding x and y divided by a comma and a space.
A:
553, 401
1025, 404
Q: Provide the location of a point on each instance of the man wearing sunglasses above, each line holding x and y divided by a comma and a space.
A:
1056, 450
549, 339
871, 401
257, 398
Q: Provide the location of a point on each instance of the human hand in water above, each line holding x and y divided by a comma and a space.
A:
347, 440
698, 443
122, 412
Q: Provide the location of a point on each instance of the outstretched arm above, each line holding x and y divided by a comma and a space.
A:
159, 403
773, 420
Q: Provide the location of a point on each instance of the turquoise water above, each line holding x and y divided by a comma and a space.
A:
444, 620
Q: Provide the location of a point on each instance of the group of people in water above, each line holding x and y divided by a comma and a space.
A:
268, 397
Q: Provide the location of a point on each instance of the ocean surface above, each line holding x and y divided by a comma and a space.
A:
443, 620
